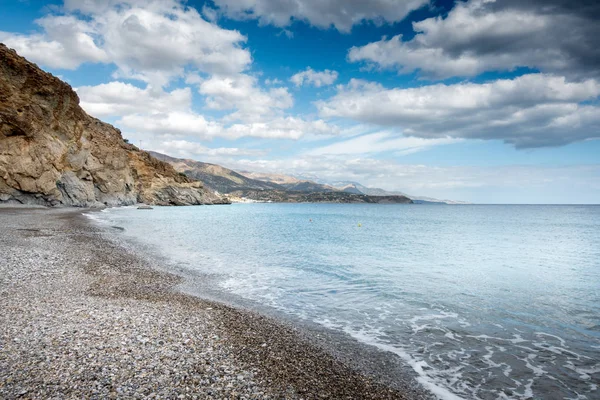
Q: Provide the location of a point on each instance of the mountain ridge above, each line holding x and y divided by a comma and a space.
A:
240, 187
218, 178
350, 187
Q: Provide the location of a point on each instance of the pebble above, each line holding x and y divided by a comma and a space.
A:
62, 335
85, 317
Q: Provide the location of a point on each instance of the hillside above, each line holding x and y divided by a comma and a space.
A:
290, 190
215, 177
355, 187
319, 185
279, 179
278, 196
289, 183
52, 153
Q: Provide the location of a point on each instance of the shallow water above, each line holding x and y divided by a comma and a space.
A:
482, 301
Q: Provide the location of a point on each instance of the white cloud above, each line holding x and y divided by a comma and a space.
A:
156, 41
242, 93
193, 79
151, 40
274, 81
118, 99
529, 111
282, 128
190, 124
316, 78
489, 35
67, 43
184, 148
380, 142
210, 13
341, 14
178, 123
155, 112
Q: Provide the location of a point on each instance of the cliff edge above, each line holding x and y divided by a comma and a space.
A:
52, 153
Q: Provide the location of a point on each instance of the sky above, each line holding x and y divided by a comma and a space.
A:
486, 101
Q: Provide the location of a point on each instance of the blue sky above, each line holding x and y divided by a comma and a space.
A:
481, 101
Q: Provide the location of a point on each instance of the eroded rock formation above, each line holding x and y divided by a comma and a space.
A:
53, 153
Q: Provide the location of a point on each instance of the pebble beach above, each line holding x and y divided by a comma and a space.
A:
84, 318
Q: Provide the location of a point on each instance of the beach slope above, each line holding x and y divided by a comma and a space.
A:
83, 317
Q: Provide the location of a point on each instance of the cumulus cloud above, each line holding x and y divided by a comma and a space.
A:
341, 14
173, 123
118, 99
192, 124
155, 112
274, 81
529, 111
315, 78
486, 35
242, 93
283, 127
151, 40
185, 148
67, 43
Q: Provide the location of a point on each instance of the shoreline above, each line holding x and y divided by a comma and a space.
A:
61, 272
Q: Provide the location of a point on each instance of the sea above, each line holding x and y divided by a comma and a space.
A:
478, 301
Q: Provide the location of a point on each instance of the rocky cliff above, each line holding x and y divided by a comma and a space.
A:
52, 153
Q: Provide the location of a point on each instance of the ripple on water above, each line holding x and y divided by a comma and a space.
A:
481, 301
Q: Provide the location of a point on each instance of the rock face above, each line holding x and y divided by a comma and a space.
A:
53, 153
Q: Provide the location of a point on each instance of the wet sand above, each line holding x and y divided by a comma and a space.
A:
83, 317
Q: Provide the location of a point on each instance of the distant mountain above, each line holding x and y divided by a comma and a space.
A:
215, 177
357, 187
260, 186
350, 189
289, 182
278, 196
308, 186
280, 179
269, 187
284, 184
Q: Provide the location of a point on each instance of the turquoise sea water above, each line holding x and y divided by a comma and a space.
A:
481, 301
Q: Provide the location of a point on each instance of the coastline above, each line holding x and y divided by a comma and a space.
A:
86, 317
